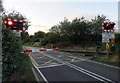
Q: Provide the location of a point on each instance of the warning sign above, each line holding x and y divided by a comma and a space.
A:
107, 46
112, 41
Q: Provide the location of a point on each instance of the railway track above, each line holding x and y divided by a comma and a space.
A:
85, 52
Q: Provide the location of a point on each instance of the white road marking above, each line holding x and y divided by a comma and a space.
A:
40, 73
51, 66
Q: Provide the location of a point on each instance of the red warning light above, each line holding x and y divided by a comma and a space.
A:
10, 23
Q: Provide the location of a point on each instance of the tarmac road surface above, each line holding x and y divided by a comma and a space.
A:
56, 66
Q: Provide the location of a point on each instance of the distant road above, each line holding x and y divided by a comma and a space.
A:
55, 66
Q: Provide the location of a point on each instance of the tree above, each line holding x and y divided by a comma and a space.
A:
79, 31
1, 9
38, 36
25, 38
96, 33
97, 24
55, 29
117, 45
1, 6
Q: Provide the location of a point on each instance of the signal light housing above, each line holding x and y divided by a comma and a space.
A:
15, 25
108, 26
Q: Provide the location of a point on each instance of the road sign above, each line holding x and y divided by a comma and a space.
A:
112, 36
107, 46
105, 40
107, 36
112, 41
17, 33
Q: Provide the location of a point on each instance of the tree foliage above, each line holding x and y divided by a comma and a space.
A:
117, 45
37, 37
25, 37
79, 31
1, 6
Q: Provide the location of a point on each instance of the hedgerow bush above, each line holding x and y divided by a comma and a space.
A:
11, 52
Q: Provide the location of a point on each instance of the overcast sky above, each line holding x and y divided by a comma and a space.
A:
47, 13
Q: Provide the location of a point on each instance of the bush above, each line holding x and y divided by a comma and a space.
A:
11, 56
117, 45
62, 44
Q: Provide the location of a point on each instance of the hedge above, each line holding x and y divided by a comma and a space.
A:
11, 53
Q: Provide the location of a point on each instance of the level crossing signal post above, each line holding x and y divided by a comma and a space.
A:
108, 33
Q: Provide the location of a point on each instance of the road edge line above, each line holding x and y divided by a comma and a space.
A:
35, 74
40, 73
33, 60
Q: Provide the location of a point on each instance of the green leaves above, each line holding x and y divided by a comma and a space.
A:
77, 31
11, 48
96, 24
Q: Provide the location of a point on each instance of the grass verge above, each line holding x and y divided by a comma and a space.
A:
111, 59
34, 46
24, 72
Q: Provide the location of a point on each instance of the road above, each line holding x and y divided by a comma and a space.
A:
56, 66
